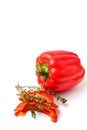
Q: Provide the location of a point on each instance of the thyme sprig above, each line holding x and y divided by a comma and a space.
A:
23, 89
28, 88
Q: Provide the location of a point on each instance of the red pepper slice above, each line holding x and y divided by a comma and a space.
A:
46, 96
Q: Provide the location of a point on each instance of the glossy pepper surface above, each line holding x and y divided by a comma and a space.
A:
59, 70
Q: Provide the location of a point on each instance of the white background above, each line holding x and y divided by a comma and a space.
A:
27, 28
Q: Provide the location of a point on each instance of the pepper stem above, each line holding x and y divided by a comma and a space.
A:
43, 70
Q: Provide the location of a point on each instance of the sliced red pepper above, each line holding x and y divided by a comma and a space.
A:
46, 105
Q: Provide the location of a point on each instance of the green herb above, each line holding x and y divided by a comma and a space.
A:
40, 99
48, 90
38, 108
27, 88
23, 89
48, 105
33, 114
53, 94
63, 100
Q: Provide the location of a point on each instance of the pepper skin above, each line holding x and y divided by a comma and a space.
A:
59, 70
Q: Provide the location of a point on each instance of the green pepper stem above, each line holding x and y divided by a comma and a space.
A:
43, 70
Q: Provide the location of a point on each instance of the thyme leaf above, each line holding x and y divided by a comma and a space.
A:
33, 113
63, 100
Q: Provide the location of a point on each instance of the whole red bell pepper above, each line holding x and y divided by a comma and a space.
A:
59, 70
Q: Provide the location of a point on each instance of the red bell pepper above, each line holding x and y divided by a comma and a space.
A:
59, 70
39, 101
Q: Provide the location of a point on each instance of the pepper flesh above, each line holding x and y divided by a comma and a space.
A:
59, 70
